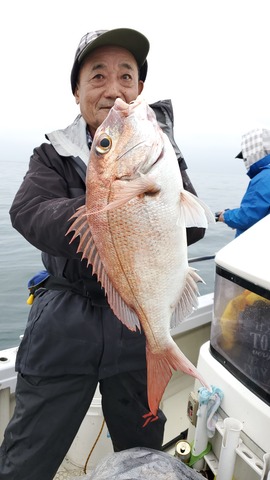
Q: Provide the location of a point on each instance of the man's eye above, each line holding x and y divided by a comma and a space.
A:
98, 76
104, 143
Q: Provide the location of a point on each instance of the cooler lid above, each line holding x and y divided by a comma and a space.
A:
248, 255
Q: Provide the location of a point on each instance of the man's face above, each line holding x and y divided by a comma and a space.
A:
106, 74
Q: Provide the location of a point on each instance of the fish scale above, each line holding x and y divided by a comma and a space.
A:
135, 221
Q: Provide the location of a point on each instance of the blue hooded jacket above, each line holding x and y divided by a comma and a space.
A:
255, 204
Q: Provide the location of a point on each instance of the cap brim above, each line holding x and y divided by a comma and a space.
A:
126, 38
240, 155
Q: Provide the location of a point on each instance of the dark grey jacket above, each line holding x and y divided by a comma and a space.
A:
71, 328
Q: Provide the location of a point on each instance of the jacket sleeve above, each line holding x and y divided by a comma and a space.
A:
254, 206
43, 205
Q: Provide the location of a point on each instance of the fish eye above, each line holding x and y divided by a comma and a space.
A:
104, 143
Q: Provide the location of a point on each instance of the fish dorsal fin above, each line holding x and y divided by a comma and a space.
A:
196, 213
89, 251
188, 299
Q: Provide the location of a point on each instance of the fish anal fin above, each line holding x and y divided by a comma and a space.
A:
188, 300
159, 372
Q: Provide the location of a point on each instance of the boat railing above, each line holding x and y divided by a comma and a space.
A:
201, 259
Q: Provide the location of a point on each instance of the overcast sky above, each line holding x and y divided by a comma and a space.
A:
211, 57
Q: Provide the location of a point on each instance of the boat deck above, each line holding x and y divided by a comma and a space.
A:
174, 407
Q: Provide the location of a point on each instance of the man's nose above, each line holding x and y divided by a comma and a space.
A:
113, 90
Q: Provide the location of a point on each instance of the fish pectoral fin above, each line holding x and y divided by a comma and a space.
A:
188, 300
126, 190
159, 372
196, 213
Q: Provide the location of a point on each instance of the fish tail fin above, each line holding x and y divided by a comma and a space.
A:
158, 377
159, 372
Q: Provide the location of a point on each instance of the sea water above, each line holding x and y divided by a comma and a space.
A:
19, 260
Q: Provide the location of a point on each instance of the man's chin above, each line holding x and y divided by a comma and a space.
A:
103, 114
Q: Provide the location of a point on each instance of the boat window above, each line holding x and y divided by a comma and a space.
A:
240, 332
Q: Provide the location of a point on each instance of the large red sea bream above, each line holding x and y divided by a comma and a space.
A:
133, 232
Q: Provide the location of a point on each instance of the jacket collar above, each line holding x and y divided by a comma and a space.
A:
258, 166
71, 141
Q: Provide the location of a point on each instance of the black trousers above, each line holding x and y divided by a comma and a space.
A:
49, 412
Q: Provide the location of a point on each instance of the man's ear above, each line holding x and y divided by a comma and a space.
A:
140, 86
77, 95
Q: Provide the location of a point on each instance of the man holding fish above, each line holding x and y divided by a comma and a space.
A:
112, 232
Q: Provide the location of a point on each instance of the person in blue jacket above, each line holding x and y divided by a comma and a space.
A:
255, 203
